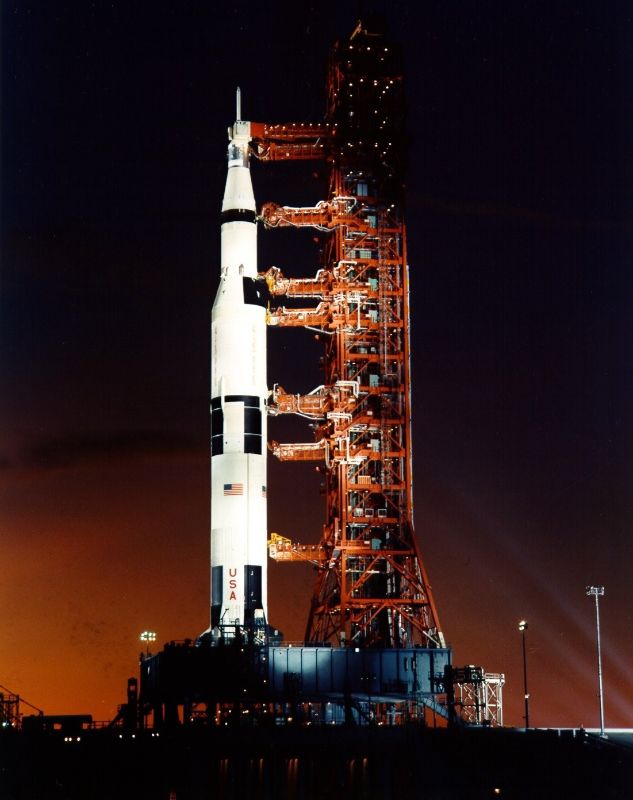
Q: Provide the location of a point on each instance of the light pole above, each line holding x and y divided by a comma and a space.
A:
526, 697
598, 591
147, 637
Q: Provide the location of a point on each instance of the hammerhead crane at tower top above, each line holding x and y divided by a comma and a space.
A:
371, 588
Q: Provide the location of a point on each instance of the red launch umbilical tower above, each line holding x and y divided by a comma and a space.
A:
371, 588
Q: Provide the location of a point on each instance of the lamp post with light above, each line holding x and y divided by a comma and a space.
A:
596, 592
526, 697
147, 637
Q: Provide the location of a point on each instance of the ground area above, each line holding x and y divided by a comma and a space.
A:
308, 763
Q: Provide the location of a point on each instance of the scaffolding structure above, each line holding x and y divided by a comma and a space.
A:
9, 709
477, 696
371, 589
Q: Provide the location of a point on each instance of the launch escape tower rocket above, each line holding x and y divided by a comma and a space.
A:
371, 588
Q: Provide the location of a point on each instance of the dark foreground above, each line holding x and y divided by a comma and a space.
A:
301, 763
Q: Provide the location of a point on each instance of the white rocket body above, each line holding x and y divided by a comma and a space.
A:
238, 411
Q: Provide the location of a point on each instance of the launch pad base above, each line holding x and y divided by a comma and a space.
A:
239, 683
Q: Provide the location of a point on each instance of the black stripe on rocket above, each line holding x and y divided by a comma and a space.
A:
256, 292
252, 423
216, 595
217, 427
238, 215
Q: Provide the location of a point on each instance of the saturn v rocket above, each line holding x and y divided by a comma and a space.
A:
238, 410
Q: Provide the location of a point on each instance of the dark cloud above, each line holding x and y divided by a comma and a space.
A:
73, 449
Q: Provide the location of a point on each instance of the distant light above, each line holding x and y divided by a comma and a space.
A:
596, 592
148, 636
523, 625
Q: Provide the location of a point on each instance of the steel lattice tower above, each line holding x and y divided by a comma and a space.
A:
371, 588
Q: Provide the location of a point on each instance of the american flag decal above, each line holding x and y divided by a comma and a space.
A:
263, 491
233, 488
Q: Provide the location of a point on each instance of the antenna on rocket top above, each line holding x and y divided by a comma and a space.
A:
238, 104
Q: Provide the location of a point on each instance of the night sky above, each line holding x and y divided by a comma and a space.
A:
520, 224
